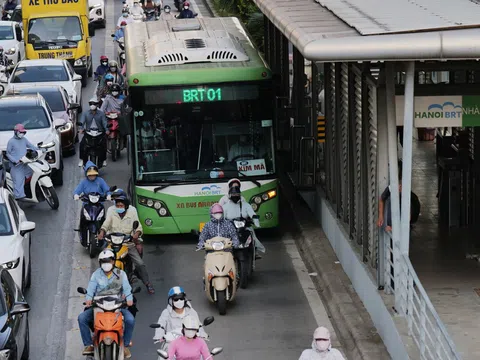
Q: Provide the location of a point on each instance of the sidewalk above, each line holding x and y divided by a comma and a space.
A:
353, 325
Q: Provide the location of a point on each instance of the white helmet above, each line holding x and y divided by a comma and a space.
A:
106, 255
190, 323
234, 180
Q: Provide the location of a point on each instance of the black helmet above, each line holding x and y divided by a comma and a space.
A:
166, 7
115, 87
121, 196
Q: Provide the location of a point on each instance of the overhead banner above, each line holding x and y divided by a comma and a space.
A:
442, 111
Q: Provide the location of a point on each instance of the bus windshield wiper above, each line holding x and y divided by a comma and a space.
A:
181, 182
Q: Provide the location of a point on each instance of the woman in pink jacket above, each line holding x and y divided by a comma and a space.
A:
189, 346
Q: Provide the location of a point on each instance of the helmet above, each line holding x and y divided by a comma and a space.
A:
19, 128
125, 9
93, 101
108, 77
106, 256
103, 58
121, 196
92, 170
233, 181
321, 333
176, 293
115, 87
124, 23
216, 209
166, 7
112, 63
190, 323
186, 3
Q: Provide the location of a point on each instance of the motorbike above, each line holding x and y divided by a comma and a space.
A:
108, 325
150, 14
179, 4
220, 272
38, 187
92, 217
7, 15
114, 141
121, 50
245, 254
175, 333
215, 351
117, 243
94, 143
137, 16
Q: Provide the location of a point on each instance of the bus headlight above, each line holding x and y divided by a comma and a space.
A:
162, 211
257, 200
158, 205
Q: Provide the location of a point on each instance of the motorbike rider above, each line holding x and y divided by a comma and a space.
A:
9, 5
114, 71
113, 101
93, 119
321, 347
104, 86
107, 280
136, 8
120, 33
189, 346
231, 183
125, 17
186, 13
177, 309
218, 226
236, 207
166, 14
102, 68
120, 218
16, 149
3, 58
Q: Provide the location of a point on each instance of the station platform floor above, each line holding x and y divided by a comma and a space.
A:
440, 258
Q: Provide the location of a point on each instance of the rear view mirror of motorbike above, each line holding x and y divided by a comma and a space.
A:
136, 290
216, 351
135, 225
113, 35
82, 290
155, 326
113, 188
40, 143
208, 320
163, 354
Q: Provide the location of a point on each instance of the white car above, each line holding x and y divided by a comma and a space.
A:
47, 72
96, 10
11, 39
36, 116
15, 240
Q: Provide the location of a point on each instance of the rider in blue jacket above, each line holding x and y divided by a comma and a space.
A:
92, 182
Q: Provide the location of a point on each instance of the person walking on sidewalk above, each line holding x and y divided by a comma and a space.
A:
321, 347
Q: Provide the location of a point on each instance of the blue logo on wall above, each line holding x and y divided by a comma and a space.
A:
445, 104
211, 188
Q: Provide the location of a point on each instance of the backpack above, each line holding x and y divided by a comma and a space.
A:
414, 208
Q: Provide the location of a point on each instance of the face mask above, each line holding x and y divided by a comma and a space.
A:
120, 210
113, 69
104, 63
114, 93
122, 27
217, 216
322, 345
107, 267
109, 83
20, 135
179, 304
93, 107
185, 7
235, 199
190, 333
125, 15
167, 11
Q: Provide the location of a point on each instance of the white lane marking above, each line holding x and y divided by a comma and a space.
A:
316, 304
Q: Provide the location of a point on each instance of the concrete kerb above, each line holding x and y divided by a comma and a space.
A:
353, 325
210, 6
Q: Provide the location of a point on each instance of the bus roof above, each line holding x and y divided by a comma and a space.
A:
191, 51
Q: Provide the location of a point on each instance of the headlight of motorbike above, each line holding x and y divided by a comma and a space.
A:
10, 51
81, 61
86, 215
218, 246
109, 305
94, 198
11, 264
239, 224
117, 240
65, 128
100, 216
5, 354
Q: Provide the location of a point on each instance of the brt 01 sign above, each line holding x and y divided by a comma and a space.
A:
442, 111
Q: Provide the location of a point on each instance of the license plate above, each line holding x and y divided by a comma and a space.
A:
200, 227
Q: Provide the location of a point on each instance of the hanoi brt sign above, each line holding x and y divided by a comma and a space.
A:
442, 111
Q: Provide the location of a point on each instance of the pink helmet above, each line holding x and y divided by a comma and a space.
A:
20, 128
216, 209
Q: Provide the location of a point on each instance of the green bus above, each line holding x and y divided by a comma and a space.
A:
202, 103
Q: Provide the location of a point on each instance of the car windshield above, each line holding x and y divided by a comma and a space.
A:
6, 33
31, 117
55, 29
204, 141
54, 99
40, 73
5, 224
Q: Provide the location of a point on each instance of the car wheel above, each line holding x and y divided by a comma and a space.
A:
57, 176
90, 70
28, 282
24, 282
104, 22
19, 58
26, 349
84, 81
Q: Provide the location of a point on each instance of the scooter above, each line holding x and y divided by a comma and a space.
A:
151, 14
117, 243
38, 187
215, 351
114, 141
108, 325
94, 143
220, 272
245, 254
92, 217
175, 333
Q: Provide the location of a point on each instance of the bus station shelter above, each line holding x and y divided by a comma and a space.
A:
383, 65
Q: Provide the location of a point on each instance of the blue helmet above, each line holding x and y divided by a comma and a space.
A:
121, 196
176, 292
109, 77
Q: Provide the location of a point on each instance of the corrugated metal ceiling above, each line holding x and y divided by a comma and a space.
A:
371, 17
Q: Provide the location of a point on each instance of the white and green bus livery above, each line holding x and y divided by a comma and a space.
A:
202, 113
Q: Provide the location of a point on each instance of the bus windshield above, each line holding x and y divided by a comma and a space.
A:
204, 140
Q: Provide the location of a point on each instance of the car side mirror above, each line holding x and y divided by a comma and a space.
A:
208, 320
91, 29
155, 326
20, 308
73, 106
26, 227
77, 77
136, 290
162, 353
216, 351
82, 290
